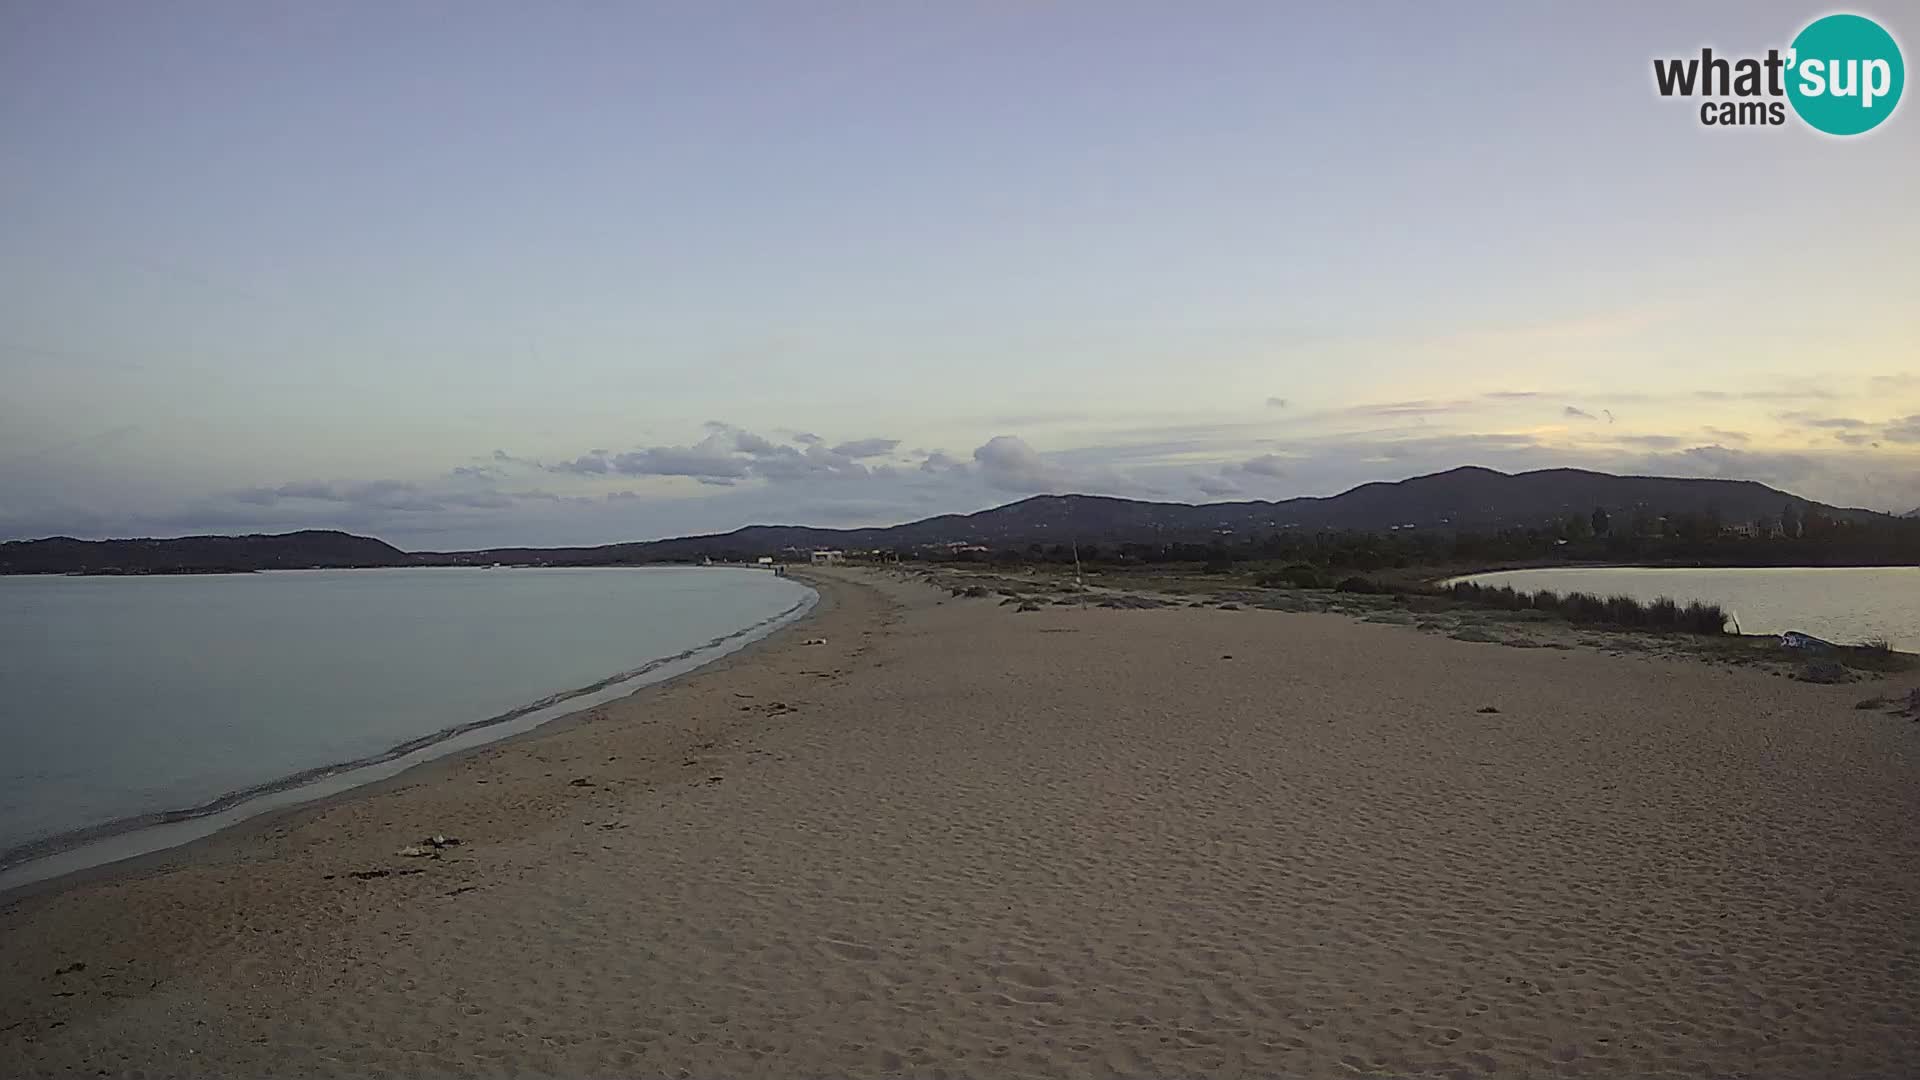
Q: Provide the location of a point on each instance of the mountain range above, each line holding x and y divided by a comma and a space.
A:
1467, 498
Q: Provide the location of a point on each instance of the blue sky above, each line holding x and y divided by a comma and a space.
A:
502, 273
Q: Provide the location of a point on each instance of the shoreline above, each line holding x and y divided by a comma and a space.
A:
48, 862
957, 837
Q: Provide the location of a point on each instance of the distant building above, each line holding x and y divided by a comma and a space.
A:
765, 560
823, 558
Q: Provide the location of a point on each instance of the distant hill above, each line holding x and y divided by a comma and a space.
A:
1467, 498
198, 554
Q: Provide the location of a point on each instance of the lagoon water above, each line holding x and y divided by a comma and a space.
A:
1844, 604
129, 696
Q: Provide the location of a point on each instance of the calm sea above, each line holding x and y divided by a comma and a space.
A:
1843, 604
124, 697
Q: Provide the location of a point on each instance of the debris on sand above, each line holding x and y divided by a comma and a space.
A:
369, 875
431, 846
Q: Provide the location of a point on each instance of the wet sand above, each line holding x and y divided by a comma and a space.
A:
957, 840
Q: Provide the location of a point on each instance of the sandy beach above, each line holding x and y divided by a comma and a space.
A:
957, 840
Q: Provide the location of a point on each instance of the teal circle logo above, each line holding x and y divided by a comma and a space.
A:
1845, 74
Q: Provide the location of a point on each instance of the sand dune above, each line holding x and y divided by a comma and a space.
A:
959, 841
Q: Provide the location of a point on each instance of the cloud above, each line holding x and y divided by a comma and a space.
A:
727, 455
1276, 403
396, 495
1807, 419
789, 464
939, 461
695, 461
1006, 462
389, 494
1724, 435
1843, 477
748, 443
1572, 413
1216, 485
478, 500
593, 464
501, 457
866, 448
475, 472
1423, 407
1904, 430
1813, 393
327, 492
1269, 465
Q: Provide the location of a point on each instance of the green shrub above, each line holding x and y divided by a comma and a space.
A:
1579, 607
1296, 576
1702, 618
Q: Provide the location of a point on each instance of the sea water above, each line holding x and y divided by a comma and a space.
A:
129, 701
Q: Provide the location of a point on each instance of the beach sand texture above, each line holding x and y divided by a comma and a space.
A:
960, 841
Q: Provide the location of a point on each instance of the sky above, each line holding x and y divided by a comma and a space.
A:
479, 274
